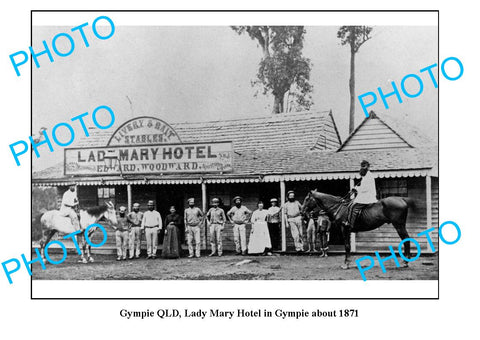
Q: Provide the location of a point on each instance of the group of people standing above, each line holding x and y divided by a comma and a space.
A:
265, 231
317, 221
264, 234
130, 227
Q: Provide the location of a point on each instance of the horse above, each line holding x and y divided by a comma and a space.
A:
391, 209
52, 222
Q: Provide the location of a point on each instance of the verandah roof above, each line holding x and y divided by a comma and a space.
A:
283, 164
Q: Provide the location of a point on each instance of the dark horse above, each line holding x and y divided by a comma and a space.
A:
387, 210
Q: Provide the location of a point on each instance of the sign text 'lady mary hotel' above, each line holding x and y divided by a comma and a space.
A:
145, 145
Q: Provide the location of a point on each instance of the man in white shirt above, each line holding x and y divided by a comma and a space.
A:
366, 193
151, 224
292, 211
216, 220
239, 215
69, 202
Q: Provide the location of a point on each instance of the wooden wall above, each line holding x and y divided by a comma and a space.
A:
380, 239
327, 137
373, 134
435, 201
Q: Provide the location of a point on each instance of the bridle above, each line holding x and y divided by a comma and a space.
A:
333, 210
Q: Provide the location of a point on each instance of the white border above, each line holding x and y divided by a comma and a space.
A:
234, 289
239, 18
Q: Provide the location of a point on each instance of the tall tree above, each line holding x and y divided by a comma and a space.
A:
283, 68
354, 36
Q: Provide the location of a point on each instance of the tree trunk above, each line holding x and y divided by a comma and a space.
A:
351, 125
266, 51
278, 103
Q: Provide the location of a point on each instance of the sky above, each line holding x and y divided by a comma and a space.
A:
202, 73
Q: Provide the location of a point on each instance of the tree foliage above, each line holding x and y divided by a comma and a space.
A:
43, 199
283, 68
354, 36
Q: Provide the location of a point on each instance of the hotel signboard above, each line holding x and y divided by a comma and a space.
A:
148, 145
150, 159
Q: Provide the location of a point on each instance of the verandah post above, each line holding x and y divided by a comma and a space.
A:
129, 197
282, 202
204, 210
353, 244
428, 184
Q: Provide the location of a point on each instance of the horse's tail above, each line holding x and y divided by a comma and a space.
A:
39, 224
42, 219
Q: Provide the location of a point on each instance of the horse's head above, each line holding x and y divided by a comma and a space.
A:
110, 214
309, 203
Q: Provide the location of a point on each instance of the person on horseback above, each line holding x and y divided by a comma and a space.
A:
69, 204
366, 193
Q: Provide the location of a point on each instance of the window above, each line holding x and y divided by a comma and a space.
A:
392, 187
106, 194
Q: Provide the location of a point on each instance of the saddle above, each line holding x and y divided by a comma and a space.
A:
54, 220
58, 216
355, 211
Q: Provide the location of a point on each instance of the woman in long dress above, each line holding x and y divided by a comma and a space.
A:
259, 242
172, 247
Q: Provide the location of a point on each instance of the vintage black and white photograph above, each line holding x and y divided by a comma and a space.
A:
196, 152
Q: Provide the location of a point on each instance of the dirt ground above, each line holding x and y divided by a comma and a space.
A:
231, 267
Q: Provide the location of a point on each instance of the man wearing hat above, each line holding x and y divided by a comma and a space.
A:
216, 220
193, 217
121, 234
239, 216
135, 221
69, 203
366, 193
151, 223
273, 222
292, 209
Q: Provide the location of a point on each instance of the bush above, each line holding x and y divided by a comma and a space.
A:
43, 199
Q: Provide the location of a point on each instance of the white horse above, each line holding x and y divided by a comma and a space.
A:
52, 222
